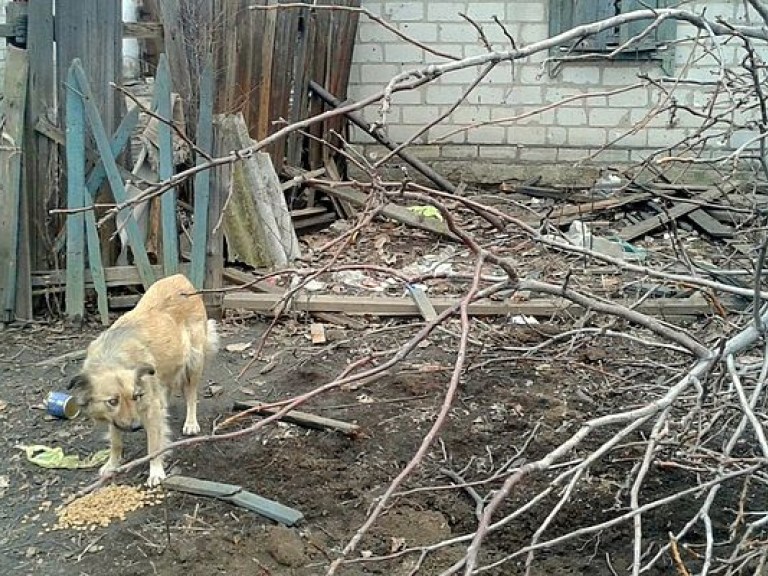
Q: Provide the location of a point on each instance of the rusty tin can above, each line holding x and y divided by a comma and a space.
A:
61, 405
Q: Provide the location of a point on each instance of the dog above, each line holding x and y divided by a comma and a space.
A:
160, 346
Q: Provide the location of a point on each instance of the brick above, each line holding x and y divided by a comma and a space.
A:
403, 53
404, 11
629, 99
586, 136
378, 73
501, 152
373, 32
556, 135
619, 74
528, 135
526, 11
662, 137
459, 32
572, 154
419, 114
457, 138
488, 95
399, 133
568, 116
368, 53
526, 95
581, 74
442, 94
464, 76
532, 32
612, 155
459, 151
487, 135
470, 114
538, 154
425, 32
637, 139
609, 117
445, 11
485, 11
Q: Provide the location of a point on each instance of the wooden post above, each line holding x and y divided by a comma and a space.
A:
220, 185
202, 179
165, 169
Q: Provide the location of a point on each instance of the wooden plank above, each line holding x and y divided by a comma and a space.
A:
300, 72
11, 148
423, 303
317, 333
41, 161
314, 221
202, 179
391, 306
301, 418
95, 264
114, 276
235, 495
568, 214
709, 225
165, 170
174, 43
74, 299
117, 145
220, 185
639, 230
113, 176
143, 30
393, 211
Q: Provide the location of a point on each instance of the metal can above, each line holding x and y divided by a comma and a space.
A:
61, 405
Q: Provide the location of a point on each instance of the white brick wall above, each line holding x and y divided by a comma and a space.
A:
578, 128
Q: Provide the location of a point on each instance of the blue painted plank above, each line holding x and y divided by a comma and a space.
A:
202, 179
74, 298
113, 176
119, 140
95, 263
165, 169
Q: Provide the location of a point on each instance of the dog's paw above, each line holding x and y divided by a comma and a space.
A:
191, 428
156, 475
108, 468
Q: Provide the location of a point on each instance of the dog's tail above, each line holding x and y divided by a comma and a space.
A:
212, 339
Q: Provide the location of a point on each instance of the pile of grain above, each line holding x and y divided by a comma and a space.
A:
102, 507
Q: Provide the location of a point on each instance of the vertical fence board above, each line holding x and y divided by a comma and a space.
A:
75, 291
11, 147
165, 171
220, 185
40, 151
202, 179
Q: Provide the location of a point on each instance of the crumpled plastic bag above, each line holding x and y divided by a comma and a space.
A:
47, 457
426, 212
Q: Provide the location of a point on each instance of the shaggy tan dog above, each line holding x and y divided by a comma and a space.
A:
158, 347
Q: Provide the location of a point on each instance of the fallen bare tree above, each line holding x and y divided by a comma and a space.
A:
704, 420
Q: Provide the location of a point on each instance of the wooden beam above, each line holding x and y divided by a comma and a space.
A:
392, 306
165, 169
54, 280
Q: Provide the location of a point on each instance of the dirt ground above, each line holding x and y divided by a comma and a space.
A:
332, 479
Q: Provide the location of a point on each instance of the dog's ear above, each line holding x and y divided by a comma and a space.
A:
144, 370
82, 389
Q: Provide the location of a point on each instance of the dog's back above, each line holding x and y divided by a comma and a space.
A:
168, 329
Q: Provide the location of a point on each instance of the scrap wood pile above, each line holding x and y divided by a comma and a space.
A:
406, 261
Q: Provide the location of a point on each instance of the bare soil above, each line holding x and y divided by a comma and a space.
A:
331, 478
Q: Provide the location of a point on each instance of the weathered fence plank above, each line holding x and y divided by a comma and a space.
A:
165, 169
113, 176
202, 179
74, 298
11, 146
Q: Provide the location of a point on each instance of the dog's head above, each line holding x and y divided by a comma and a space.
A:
113, 395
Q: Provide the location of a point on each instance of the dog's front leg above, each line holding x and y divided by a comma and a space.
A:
157, 438
115, 450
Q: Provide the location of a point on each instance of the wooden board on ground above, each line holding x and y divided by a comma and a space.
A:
679, 209
302, 418
393, 306
709, 225
235, 495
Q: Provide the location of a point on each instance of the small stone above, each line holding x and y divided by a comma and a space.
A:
285, 546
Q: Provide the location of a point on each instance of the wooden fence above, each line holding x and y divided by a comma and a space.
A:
263, 62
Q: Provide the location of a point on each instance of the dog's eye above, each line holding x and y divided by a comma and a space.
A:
113, 402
